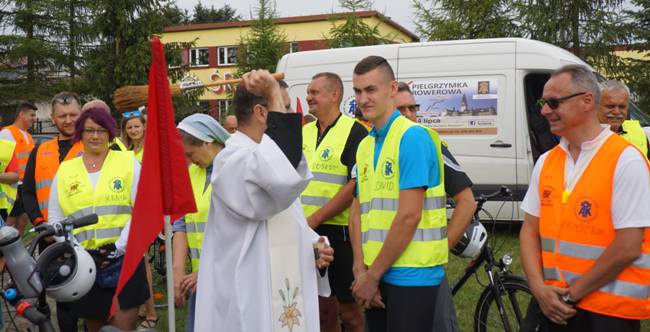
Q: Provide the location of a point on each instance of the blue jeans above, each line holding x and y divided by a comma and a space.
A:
191, 309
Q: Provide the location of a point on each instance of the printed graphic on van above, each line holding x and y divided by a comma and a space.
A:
458, 106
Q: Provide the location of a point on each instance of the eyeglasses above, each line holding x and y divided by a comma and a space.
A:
93, 132
67, 99
131, 114
554, 103
412, 108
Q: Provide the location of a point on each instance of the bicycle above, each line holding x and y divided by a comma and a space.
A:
503, 304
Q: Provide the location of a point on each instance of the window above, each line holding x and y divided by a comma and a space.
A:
293, 47
227, 56
199, 57
224, 105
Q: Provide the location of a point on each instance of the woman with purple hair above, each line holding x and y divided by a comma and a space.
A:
104, 182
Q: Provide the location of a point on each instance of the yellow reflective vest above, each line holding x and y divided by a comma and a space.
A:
634, 134
110, 199
7, 191
330, 175
379, 199
195, 222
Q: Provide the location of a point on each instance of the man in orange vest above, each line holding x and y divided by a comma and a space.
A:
45, 159
585, 241
17, 132
41, 167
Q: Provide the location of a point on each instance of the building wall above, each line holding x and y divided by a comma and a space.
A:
308, 36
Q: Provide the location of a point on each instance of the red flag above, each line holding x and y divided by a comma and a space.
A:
299, 110
164, 187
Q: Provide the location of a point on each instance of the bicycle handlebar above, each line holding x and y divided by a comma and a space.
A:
481, 199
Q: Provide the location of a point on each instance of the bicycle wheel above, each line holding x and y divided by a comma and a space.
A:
514, 298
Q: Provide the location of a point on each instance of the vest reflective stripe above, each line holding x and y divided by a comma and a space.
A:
23, 147
429, 234
635, 134
330, 178
103, 210
46, 165
197, 226
324, 160
110, 198
7, 191
574, 234
548, 244
391, 204
195, 254
195, 222
616, 287
379, 199
313, 200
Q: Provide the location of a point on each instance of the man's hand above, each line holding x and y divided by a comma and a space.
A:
325, 254
365, 290
179, 296
188, 284
552, 305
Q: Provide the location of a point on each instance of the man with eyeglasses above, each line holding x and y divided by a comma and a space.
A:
585, 239
614, 111
458, 186
17, 132
41, 167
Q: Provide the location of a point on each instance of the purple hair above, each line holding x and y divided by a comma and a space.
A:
99, 116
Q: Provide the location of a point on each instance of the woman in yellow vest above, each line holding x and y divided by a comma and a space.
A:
133, 129
104, 182
203, 138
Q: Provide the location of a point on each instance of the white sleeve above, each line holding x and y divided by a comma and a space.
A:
531, 204
6, 134
55, 213
631, 192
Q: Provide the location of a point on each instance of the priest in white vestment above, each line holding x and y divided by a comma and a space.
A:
258, 271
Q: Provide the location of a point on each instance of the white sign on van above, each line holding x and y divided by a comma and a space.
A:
458, 106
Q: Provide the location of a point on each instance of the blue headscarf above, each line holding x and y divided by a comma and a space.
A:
204, 127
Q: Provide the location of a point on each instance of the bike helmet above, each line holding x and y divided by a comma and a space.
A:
67, 271
470, 245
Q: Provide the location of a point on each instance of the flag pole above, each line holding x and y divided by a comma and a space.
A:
171, 327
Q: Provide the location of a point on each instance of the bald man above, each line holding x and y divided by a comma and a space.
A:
230, 123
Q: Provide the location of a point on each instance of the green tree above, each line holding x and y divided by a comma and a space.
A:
265, 44
469, 19
354, 31
638, 77
204, 14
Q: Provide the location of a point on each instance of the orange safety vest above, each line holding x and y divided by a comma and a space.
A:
47, 163
23, 147
574, 234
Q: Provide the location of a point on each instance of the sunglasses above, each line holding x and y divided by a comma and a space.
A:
412, 108
554, 103
131, 114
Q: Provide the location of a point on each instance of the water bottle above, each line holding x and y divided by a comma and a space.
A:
20, 263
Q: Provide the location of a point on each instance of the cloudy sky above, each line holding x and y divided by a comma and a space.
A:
399, 11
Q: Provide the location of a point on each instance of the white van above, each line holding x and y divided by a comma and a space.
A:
480, 95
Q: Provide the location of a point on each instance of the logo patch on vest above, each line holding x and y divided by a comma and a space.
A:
547, 195
586, 209
326, 154
117, 184
388, 168
74, 188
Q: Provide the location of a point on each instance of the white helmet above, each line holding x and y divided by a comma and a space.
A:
67, 271
472, 242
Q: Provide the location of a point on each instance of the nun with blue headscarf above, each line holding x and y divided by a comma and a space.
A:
203, 138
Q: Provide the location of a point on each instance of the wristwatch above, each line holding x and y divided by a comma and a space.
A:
568, 299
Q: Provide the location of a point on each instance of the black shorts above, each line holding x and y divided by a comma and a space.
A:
585, 320
407, 309
18, 208
96, 305
340, 271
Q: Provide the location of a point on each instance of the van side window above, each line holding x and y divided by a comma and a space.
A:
541, 138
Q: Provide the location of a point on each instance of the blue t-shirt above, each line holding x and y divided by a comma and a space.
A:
418, 167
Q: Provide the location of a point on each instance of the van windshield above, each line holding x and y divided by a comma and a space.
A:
635, 112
